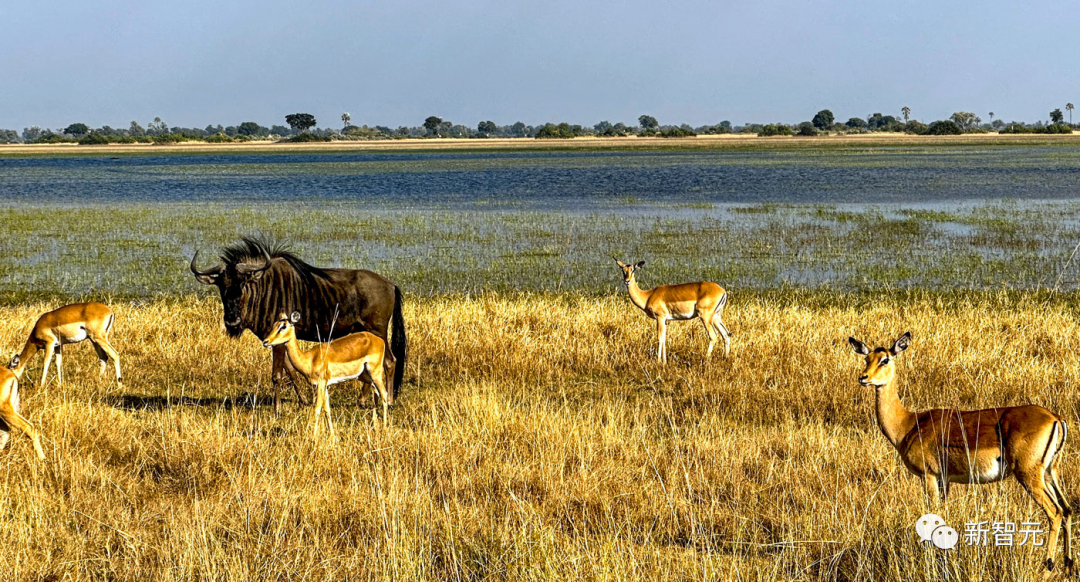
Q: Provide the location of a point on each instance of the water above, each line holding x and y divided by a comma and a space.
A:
558, 180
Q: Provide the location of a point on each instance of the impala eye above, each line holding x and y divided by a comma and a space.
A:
883, 361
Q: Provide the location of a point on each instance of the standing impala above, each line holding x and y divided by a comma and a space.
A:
705, 300
9, 409
68, 325
945, 446
357, 355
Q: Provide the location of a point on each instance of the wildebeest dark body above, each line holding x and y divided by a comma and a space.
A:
259, 281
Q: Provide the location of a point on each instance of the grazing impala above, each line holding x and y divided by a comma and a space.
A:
68, 325
9, 409
705, 300
946, 446
357, 355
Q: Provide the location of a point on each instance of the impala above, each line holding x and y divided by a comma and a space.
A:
704, 300
945, 446
9, 409
68, 325
357, 355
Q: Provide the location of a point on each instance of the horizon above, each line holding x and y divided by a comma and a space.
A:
699, 63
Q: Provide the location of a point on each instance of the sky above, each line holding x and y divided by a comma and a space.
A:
393, 63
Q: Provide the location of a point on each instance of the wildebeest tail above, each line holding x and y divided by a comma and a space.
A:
398, 343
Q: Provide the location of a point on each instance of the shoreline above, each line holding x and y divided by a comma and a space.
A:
705, 142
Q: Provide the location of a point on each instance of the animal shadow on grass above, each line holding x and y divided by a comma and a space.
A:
134, 402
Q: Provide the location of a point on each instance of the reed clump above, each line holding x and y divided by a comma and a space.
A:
535, 438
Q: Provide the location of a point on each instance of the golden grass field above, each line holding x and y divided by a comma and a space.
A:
535, 439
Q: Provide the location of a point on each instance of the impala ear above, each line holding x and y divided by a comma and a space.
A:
295, 317
14, 363
860, 348
639, 265
901, 343
618, 262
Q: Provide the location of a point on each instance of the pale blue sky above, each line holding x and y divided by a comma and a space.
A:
195, 62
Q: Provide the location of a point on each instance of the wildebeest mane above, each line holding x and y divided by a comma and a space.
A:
251, 249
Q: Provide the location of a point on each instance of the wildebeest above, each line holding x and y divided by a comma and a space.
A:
258, 281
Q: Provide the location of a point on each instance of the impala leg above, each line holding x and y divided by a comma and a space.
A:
713, 335
661, 333
722, 329
59, 367
290, 374
103, 358
1036, 486
276, 375
112, 355
935, 487
318, 410
49, 348
326, 410
15, 420
1066, 510
378, 381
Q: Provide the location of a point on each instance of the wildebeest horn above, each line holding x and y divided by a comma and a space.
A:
210, 273
247, 269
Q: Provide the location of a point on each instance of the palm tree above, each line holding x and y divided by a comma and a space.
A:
346, 118
906, 111
991, 117
1069, 107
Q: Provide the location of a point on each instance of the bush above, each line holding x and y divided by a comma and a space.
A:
684, 131
93, 138
218, 137
53, 138
807, 128
916, 127
1057, 128
775, 129
169, 138
945, 127
306, 137
563, 130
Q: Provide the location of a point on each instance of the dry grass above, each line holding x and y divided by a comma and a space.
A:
535, 439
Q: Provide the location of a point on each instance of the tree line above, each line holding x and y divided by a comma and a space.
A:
300, 127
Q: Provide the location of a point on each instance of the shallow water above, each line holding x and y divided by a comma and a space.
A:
558, 180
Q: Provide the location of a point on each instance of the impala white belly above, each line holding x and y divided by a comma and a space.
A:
685, 310
344, 379
78, 336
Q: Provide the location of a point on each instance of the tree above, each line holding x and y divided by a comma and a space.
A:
603, 128
300, 121
345, 119
1069, 107
157, 127
250, 129
432, 125
519, 129
486, 128
906, 112
808, 129
31, 133
1057, 117
823, 120
947, 127
77, 129
965, 120
648, 122
856, 123
136, 130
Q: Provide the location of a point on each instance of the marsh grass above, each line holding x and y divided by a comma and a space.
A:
535, 439
139, 250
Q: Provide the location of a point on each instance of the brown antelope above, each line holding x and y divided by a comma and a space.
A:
945, 446
9, 409
357, 355
68, 325
705, 300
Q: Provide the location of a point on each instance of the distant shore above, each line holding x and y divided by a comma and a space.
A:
725, 141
